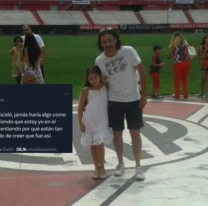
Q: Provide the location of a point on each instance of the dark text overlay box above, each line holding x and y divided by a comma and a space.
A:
36, 118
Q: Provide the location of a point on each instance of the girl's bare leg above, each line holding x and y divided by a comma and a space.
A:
101, 159
95, 161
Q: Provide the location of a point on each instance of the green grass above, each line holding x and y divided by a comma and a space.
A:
68, 57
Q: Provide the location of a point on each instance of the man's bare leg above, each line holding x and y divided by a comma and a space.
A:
118, 144
137, 149
136, 146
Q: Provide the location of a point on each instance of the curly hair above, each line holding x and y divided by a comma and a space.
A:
111, 32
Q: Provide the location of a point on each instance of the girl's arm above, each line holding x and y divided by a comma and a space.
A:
81, 107
200, 53
13, 56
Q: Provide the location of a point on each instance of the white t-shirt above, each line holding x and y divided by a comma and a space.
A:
38, 39
120, 73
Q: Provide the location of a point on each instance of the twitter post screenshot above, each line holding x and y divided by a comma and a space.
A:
36, 118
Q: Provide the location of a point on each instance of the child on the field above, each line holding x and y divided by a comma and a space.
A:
93, 118
155, 71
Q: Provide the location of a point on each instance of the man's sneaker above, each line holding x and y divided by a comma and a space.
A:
206, 96
139, 174
158, 97
153, 96
201, 94
119, 171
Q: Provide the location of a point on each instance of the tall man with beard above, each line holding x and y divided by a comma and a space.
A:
118, 65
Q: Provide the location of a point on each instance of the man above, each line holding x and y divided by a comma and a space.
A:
28, 30
119, 64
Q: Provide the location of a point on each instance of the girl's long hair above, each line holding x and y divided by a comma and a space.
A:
202, 44
177, 40
33, 49
93, 69
203, 40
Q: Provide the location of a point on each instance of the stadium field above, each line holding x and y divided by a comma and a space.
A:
67, 58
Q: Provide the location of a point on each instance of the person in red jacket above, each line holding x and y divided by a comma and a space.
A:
178, 52
155, 67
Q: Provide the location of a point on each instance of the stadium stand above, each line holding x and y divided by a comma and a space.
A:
164, 17
199, 16
63, 17
113, 17
16, 17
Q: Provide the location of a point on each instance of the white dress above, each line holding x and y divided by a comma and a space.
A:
95, 119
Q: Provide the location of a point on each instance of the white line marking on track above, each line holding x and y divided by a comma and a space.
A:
102, 192
197, 116
159, 127
181, 183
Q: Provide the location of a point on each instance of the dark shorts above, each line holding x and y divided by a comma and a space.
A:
118, 111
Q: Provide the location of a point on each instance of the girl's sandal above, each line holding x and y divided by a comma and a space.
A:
103, 173
96, 174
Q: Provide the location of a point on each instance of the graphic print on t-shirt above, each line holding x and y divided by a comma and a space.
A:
115, 66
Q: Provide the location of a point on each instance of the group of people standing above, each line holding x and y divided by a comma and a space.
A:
110, 95
115, 91
179, 53
27, 58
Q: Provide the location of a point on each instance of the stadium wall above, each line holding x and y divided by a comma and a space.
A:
92, 29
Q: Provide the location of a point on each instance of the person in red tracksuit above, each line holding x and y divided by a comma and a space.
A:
178, 52
155, 67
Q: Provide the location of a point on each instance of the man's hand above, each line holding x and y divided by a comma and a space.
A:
142, 102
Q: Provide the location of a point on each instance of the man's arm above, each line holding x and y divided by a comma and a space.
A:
143, 79
43, 52
41, 45
137, 62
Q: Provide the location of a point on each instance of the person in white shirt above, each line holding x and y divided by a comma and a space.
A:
118, 65
28, 30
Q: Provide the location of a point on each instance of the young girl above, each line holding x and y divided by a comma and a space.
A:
93, 118
15, 53
203, 56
